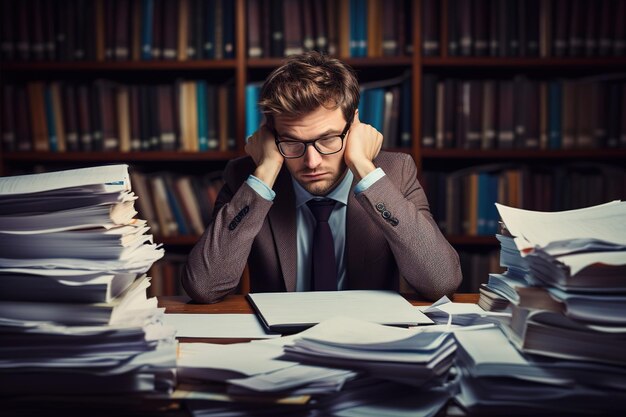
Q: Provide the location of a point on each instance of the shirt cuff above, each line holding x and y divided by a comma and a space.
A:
369, 180
261, 188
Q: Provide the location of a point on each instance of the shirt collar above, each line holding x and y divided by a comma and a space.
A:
339, 193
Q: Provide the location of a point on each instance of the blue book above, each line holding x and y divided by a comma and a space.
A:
201, 98
52, 131
362, 29
147, 16
213, 142
175, 205
555, 95
376, 105
253, 115
492, 210
363, 109
483, 202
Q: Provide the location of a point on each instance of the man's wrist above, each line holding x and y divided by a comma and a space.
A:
267, 171
360, 169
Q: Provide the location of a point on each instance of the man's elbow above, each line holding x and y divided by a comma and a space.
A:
198, 290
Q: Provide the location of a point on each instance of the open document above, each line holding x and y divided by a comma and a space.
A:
292, 312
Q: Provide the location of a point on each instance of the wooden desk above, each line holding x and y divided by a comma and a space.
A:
237, 304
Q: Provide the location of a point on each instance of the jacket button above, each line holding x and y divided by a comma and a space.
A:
386, 214
380, 207
394, 222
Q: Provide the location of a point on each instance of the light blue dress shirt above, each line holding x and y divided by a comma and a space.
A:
305, 222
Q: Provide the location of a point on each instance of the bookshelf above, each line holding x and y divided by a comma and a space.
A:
433, 54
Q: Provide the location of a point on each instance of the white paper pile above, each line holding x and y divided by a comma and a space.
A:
74, 316
339, 365
496, 379
567, 290
413, 356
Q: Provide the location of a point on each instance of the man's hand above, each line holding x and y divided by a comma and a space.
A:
262, 148
362, 146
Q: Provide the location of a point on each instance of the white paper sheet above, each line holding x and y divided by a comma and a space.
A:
244, 359
309, 308
605, 222
218, 326
112, 177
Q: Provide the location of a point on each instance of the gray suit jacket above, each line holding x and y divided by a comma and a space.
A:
381, 243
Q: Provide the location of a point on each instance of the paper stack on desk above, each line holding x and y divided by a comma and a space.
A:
74, 316
336, 365
412, 356
567, 290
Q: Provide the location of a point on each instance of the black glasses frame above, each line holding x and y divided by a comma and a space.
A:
313, 142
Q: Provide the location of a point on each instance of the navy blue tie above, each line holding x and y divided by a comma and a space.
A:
324, 265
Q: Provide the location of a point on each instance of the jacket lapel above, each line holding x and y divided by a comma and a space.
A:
282, 219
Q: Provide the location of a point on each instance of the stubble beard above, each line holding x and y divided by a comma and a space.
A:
322, 188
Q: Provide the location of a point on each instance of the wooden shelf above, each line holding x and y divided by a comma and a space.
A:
596, 62
118, 66
521, 154
473, 240
119, 156
183, 240
390, 61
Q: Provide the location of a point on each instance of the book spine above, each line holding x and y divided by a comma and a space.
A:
147, 21
201, 94
7, 123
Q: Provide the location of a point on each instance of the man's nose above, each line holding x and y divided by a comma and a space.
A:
312, 157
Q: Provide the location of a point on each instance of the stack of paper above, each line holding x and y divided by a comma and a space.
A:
577, 260
74, 316
338, 365
251, 377
413, 356
496, 379
568, 313
516, 275
489, 300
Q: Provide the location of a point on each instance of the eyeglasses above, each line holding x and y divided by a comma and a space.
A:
328, 145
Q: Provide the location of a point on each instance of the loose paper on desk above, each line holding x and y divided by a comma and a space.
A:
218, 326
294, 311
606, 222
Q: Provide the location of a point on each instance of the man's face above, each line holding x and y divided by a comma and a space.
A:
316, 173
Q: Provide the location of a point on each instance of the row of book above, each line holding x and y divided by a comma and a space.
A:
526, 28
385, 104
117, 30
523, 113
166, 275
463, 202
177, 205
347, 28
108, 116
476, 266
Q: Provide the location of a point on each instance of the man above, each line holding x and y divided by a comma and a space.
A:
314, 145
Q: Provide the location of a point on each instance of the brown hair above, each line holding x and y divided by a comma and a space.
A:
306, 82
